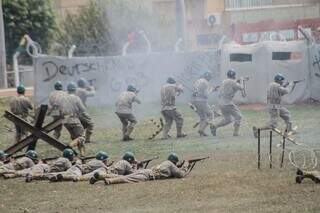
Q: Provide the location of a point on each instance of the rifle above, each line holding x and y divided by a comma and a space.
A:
84, 159
243, 80
192, 163
45, 160
146, 162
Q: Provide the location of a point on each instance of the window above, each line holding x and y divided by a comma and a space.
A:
233, 4
288, 34
285, 56
240, 57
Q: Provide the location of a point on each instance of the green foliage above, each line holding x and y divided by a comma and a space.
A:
35, 18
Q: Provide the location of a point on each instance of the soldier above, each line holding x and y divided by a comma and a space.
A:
229, 110
61, 164
313, 175
54, 106
71, 109
124, 111
84, 117
20, 106
82, 172
84, 90
167, 169
169, 111
276, 90
28, 161
125, 166
202, 89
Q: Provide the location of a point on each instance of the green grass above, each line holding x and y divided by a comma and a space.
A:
228, 182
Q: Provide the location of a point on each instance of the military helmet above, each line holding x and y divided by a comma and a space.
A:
231, 74
128, 156
173, 157
58, 85
32, 154
3, 154
171, 80
71, 87
82, 82
279, 78
20, 89
207, 75
131, 88
101, 155
68, 153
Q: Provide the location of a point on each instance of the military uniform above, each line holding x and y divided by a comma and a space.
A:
169, 110
84, 93
228, 109
55, 99
124, 112
274, 106
71, 109
313, 175
166, 169
39, 168
19, 164
20, 106
202, 89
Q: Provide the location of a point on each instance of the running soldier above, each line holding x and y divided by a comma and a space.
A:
229, 110
84, 117
276, 91
124, 111
84, 90
71, 110
169, 111
28, 161
202, 89
61, 164
80, 171
20, 106
55, 98
125, 166
165, 170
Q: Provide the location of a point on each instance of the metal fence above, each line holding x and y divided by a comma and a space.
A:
234, 4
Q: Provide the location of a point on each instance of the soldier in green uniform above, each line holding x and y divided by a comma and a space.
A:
20, 106
124, 111
169, 111
84, 90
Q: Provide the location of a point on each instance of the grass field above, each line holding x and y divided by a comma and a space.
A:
228, 182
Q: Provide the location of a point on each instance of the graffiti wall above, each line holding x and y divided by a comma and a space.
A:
315, 72
111, 75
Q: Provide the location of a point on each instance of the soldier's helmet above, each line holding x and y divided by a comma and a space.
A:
32, 154
231, 74
3, 154
101, 155
171, 80
20, 89
279, 78
68, 153
131, 88
58, 85
207, 75
82, 82
173, 157
71, 87
128, 156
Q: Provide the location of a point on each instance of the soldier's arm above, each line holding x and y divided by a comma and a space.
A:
285, 90
135, 99
90, 91
178, 172
80, 105
238, 86
179, 88
29, 104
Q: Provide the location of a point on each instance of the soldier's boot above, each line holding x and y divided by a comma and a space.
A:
29, 178
180, 134
202, 127
88, 136
165, 132
290, 129
95, 178
213, 130
128, 133
109, 181
236, 130
310, 175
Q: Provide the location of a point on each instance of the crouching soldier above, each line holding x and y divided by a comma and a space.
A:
124, 111
313, 175
125, 166
167, 169
71, 110
276, 91
61, 164
28, 161
20, 106
169, 111
229, 110
82, 172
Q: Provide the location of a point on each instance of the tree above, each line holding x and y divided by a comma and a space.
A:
35, 18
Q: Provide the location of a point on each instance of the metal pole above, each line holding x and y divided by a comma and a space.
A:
259, 154
270, 150
283, 147
181, 24
3, 63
